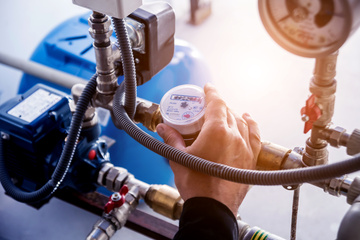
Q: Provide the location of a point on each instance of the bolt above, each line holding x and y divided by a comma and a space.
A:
5, 136
52, 116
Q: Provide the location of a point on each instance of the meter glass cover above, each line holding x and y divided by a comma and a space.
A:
183, 104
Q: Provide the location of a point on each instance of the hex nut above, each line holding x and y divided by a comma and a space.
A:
102, 172
120, 179
130, 199
335, 136
110, 178
101, 27
107, 227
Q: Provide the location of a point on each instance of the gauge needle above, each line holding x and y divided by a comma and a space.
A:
284, 18
325, 13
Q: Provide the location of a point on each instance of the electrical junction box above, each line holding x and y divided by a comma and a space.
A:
113, 8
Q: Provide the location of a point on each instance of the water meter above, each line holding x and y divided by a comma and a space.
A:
183, 108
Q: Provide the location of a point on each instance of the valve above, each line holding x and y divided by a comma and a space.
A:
310, 113
114, 220
116, 200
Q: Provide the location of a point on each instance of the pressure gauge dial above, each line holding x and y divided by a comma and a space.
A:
183, 108
310, 28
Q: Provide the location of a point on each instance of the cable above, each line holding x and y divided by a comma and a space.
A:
128, 65
66, 156
283, 177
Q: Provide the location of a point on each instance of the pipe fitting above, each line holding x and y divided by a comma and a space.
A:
271, 156
148, 114
106, 227
165, 200
325, 100
315, 154
336, 138
276, 157
90, 116
100, 29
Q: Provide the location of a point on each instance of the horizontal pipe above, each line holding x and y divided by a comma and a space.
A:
41, 71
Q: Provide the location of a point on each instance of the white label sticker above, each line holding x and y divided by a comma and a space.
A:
34, 105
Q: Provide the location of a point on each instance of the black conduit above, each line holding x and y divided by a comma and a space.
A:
65, 159
128, 65
283, 177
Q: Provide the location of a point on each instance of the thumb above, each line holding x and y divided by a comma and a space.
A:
170, 136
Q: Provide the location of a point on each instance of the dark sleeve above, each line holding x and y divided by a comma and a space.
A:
206, 218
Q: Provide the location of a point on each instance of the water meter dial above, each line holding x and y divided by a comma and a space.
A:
310, 28
183, 108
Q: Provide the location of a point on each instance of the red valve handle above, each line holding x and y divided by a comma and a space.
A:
312, 112
116, 200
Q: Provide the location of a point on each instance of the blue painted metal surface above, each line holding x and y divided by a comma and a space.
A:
68, 48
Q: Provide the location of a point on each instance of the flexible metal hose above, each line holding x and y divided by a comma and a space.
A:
65, 159
283, 177
128, 65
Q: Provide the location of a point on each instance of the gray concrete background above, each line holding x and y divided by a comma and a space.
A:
252, 73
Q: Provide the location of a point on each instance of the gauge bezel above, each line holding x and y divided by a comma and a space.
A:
290, 45
184, 127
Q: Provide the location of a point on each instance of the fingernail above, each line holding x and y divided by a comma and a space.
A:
210, 84
247, 115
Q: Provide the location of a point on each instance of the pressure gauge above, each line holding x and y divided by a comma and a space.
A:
183, 108
310, 28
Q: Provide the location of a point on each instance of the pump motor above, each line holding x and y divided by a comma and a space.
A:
34, 128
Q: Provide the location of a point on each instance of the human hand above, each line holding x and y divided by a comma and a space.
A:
225, 138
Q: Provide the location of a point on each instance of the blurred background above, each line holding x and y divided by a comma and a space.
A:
253, 74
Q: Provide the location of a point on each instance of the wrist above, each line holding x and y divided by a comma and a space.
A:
228, 193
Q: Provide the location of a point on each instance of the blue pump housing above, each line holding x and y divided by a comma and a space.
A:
28, 131
36, 125
68, 48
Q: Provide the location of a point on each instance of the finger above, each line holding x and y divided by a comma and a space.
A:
242, 126
171, 136
216, 110
254, 134
231, 120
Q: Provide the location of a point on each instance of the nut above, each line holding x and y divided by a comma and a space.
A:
110, 178
148, 114
107, 227
335, 136
120, 179
101, 27
102, 172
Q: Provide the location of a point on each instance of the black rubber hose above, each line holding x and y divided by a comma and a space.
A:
128, 65
283, 177
65, 159
348, 229
74, 132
